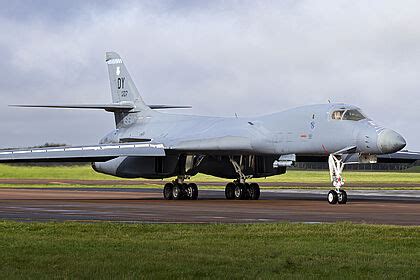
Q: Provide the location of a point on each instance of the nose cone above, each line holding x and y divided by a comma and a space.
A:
390, 141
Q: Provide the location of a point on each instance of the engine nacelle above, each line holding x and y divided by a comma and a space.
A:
173, 165
139, 167
257, 166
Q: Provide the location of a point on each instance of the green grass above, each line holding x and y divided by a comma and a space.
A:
87, 173
413, 169
83, 172
263, 251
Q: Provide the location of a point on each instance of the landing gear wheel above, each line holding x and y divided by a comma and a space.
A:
240, 190
254, 191
247, 192
332, 197
177, 192
342, 197
230, 191
168, 191
191, 191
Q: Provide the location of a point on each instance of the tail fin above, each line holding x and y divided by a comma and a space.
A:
127, 104
123, 89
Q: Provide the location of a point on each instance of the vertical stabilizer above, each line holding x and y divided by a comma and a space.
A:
123, 90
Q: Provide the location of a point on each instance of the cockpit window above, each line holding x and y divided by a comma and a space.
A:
348, 115
353, 115
337, 115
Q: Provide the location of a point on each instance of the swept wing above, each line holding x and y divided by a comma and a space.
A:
83, 153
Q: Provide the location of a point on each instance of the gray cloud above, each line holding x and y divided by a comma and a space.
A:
244, 57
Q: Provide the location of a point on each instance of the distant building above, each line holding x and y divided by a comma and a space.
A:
393, 162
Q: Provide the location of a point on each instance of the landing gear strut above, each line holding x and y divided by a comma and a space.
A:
239, 189
178, 190
337, 195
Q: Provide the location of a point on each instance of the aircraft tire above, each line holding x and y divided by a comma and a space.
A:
254, 191
177, 192
342, 198
332, 197
230, 191
191, 191
247, 192
184, 192
240, 190
168, 191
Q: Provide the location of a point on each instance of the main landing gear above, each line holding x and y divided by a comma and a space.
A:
239, 189
337, 195
178, 190
242, 191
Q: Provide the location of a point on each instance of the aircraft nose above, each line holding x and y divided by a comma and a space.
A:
390, 141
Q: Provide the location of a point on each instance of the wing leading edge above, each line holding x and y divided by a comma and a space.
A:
83, 153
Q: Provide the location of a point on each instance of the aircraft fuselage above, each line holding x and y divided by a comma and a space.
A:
303, 130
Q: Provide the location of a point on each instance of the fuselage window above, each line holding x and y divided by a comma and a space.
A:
353, 115
348, 115
337, 115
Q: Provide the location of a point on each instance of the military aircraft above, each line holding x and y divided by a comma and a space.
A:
147, 143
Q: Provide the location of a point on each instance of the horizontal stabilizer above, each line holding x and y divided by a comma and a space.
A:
107, 107
117, 107
158, 107
83, 153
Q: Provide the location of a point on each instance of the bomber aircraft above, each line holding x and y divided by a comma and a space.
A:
147, 143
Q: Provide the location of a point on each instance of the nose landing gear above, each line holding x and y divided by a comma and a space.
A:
336, 167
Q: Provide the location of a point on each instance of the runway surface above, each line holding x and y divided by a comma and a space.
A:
147, 206
72, 182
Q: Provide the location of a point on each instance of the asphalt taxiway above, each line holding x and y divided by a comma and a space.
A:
147, 206
73, 182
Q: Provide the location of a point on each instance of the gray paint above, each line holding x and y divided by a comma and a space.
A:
307, 130
83, 153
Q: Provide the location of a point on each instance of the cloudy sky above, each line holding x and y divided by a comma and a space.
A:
223, 57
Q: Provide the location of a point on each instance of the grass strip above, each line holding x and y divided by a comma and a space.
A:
87, 173
173, 251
